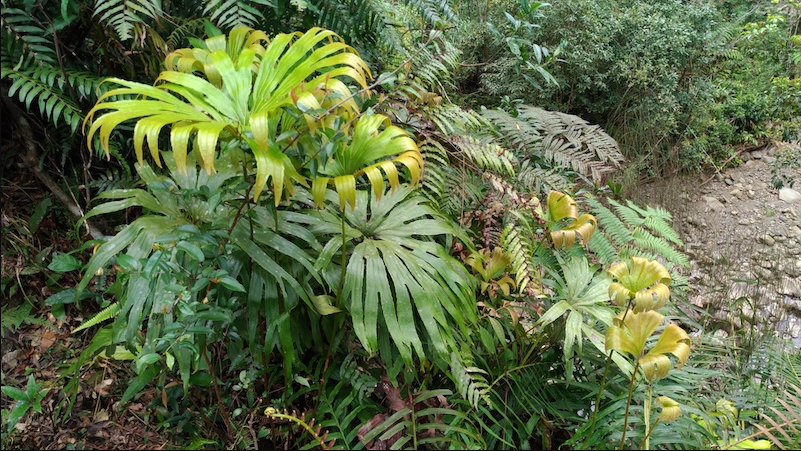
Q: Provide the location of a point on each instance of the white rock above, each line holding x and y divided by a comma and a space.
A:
789, 195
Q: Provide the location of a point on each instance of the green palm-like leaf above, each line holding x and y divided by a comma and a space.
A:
561, 206
224, 92
630, 332
397, 281
645, 281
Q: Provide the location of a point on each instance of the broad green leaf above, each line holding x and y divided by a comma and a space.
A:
64, 263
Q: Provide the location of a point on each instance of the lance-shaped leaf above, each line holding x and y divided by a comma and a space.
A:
670, 409
645, 281
630, 332
562, 206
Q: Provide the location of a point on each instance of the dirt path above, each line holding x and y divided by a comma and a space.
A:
743, 237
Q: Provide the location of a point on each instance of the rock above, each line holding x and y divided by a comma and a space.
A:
789, 287
789, 195
750, 193
736, 193
767, 240
744, 221
757, 154
768, 159
713, 203
729, 181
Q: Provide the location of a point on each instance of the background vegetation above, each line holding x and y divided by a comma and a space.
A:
369, 224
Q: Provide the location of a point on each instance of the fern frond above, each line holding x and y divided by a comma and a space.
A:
540, 180
122, 15
364, 24
561, 139
521, 251
13, 317
229, 14
33, 41
633, 230
435, 14
107, 313
785, 428
453, 120
470, 382
46, 85
484, 154
177, 38
428, 422
340, 415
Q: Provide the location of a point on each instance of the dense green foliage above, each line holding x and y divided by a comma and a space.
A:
374, 224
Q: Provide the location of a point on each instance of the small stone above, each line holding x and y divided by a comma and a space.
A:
713, 203
766, 264
729, 181
767, 239
735, 212
744, 221
757, 154
789, 195
750, 193
736, 193
768, 159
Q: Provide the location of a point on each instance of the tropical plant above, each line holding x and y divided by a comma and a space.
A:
31, 397
209, 264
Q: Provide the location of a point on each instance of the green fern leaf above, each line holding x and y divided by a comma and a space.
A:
25, 30
122, 15
107, 313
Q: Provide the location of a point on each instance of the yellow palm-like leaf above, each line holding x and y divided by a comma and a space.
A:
670, 409
630, 330
562, 206
645, 281
629, 334
674, 340
374, 138
582, 227
209, 94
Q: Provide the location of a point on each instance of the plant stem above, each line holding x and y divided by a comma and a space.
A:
628, 404
649, 392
